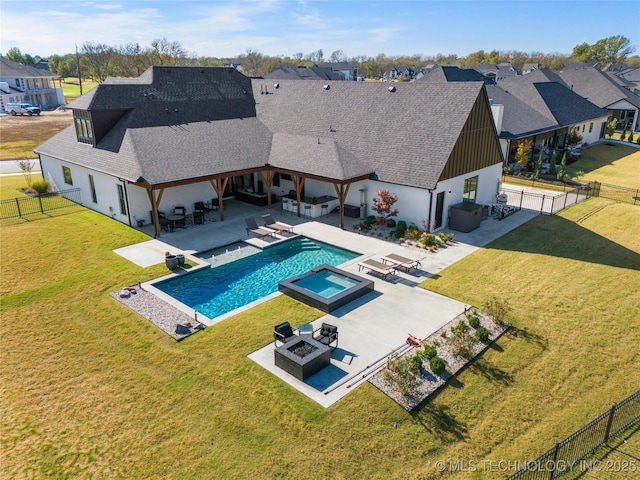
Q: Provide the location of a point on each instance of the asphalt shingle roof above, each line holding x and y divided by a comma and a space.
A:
596, 86
18, 70
187, 122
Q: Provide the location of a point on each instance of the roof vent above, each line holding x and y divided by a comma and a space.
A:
276, 85
392, 88
327, 87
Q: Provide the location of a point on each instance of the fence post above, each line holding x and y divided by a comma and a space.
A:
521, 197
555, 457
542, 204
40, 202
18, 205
609, 422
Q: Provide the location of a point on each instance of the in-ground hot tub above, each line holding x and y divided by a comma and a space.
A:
302, 356
326, 288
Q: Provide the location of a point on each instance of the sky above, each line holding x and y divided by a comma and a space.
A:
228, 28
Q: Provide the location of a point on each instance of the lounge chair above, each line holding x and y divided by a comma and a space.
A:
252, 227
282, 333
378, 267
326, 334
401, 262
269, 222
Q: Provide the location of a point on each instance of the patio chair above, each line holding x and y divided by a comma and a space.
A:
282, 333
401, 262
326, 334
252, 227
164, 223
269, 222
199, 207
382, 269
198, 217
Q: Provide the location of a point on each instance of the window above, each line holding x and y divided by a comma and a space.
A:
83, 129
66, 173
94, 197
123, 205
591, 127
276, 179
583, 127
470, 187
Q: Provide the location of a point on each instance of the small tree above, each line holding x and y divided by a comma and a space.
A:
623, 135
522, 153
498, 309
573, 139
630, 136
383, 205
552, 163
611, 127
26, 166
562, 171
538, 167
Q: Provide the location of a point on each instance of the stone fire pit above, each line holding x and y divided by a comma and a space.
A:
302, 357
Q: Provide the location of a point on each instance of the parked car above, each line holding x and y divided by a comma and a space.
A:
22, 108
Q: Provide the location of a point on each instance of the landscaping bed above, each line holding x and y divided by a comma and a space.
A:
408, 388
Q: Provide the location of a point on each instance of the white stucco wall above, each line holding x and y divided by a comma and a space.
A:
594, 135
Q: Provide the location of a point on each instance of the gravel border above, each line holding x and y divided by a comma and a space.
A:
166, 317
429, 382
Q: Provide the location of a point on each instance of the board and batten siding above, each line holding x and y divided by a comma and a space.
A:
477, 146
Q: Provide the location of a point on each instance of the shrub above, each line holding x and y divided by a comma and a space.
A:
40, 186
630, 136
427, 239
460, 328
413, 233
498, 309
416, 364
402, 224
482, 334
391, 223
474, 320
429, 351
398, 374
462, 344
443, 334
437, 365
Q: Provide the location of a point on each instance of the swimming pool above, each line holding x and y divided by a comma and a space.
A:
221, 289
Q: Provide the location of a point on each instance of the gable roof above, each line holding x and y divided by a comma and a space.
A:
18, 70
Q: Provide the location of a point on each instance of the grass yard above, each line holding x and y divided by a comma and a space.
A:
71, 87
19, 135
613, 164
89, 389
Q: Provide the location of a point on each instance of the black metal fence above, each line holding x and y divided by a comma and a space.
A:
565, 455
545, 204
614, 192
24, 206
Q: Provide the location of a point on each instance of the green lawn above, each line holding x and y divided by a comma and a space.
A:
71, 88
614, 164
91, 390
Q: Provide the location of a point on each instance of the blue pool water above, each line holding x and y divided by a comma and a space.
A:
326, 283
219, 290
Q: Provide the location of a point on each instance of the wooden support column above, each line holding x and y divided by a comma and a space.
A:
220, 185
298, 183
155, 203
342, 196
267, 176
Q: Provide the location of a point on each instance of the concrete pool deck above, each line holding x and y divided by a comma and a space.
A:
369, 328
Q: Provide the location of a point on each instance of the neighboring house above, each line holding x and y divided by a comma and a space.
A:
599, 88
393, 74
302, 72
631, 75
552, 111
446, 73
26, 84
497, 72
537, 108
178, 135
529, 67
